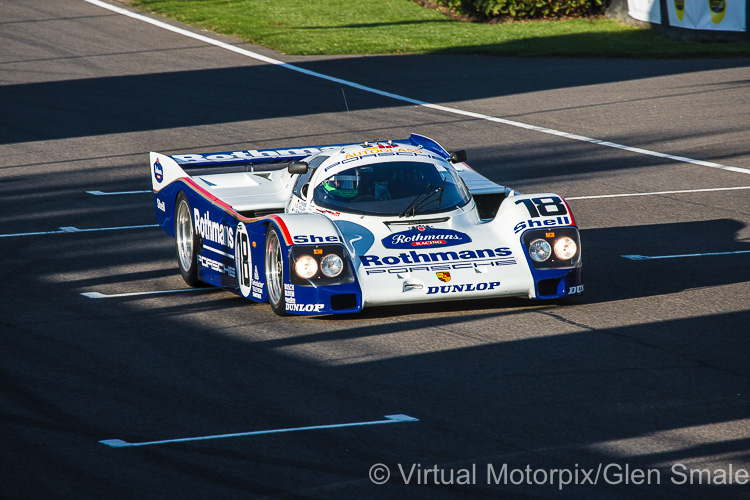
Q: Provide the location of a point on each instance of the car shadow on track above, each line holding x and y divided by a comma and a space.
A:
609, 275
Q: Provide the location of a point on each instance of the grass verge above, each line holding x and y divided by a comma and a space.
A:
328, 27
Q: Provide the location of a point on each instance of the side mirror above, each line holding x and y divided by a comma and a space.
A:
458, 156
297, 167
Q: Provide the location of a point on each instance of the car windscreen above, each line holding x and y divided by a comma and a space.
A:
393, 188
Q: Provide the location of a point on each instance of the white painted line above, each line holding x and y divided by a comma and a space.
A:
71, 229
97, 295
646, 257
390, 419
416, 102
625, 195
104, 193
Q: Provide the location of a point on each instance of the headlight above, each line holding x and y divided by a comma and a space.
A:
305, 266
539, 250
565, 248
331, 265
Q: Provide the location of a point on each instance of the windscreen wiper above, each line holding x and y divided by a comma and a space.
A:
423, 198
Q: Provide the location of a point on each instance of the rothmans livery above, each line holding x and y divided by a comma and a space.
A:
330, 229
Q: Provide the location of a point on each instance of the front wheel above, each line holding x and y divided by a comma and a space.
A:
274, 272
186, 242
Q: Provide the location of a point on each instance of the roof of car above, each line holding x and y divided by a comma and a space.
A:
355, 154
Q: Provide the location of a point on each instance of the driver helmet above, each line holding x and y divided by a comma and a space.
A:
343, 186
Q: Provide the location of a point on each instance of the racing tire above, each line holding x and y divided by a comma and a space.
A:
186, 241
274, 264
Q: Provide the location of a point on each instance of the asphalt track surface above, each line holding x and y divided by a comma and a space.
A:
648, 371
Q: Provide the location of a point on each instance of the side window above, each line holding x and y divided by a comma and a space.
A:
305, 178
301, 181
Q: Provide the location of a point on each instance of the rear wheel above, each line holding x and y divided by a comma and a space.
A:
186, 242
274, 272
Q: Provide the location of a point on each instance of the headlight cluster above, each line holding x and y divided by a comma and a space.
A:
553, 248
306, 266
319, 265
565, 249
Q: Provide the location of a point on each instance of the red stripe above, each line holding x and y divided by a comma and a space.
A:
216, 201
284, 229
200, 190
228, 208
570, 212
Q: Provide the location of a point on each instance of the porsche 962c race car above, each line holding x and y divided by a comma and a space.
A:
339, 227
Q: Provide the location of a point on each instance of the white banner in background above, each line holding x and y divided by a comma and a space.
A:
719, 15
648, 11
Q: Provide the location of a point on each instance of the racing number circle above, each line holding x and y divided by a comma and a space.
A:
274, 272
243, 260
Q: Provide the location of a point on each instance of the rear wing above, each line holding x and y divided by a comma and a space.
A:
260, 156
249, 156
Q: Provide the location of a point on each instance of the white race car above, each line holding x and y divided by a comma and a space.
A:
339, 227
